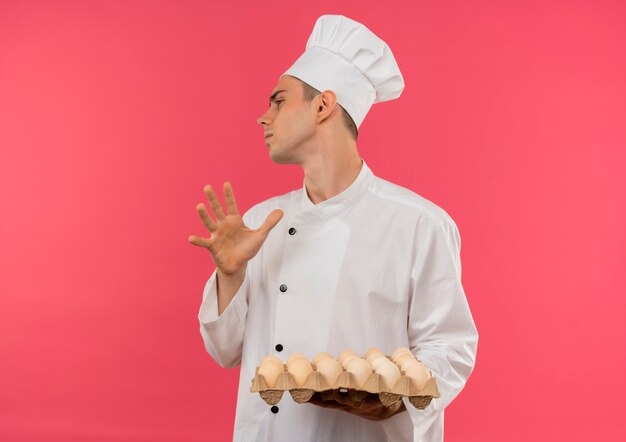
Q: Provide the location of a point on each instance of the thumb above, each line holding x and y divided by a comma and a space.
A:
271, 220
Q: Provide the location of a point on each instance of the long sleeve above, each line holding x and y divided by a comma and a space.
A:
223, 334
442, 333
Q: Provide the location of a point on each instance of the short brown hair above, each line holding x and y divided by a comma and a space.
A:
310, 92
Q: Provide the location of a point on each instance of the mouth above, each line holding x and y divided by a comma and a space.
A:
267, 136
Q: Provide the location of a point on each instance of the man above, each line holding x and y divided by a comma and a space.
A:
349, 261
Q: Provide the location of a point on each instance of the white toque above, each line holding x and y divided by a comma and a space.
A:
345, 57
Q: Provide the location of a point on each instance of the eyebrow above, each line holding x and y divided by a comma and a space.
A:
273, 97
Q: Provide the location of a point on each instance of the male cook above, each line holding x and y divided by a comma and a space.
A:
348, 261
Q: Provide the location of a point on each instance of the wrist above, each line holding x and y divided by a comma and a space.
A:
232, 276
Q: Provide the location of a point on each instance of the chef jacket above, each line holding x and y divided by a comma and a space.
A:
374, 266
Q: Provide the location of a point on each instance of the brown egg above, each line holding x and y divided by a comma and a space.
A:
400, 351
406, 363
270, 357
403, 357
296, 355
374, 357
360, 369
300, 368
345, 354
270, 370
389, 373
419, 374
371, 352
347, 360
329, 369
321, 355
378, 361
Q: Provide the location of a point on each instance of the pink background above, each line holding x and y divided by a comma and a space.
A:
114, 115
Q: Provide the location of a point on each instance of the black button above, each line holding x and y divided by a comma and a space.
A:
274, 409
283, 288
292, 231
279, 347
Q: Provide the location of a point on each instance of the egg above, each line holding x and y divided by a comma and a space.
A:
399, 352
320, 356
360, 369
377, 362
347, 360
373, 357
403, 357
300, 368
406, 363
371, 352
345, 354
270, 370
330, 369
390, 373
296, 355
419, 374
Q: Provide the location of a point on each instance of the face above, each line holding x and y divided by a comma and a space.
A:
289, 123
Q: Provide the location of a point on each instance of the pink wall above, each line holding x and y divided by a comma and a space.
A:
114, 115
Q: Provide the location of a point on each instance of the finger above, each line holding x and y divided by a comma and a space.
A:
206, 219
271, 220
231, 204
215, 203
199, 241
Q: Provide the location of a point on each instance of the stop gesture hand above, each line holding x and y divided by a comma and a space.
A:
231, 243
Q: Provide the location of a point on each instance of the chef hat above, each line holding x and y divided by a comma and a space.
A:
347, 58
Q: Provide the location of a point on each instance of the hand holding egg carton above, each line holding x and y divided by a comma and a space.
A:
391, 378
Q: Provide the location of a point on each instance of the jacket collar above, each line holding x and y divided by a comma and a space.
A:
334, 205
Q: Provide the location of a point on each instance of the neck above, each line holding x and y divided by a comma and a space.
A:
328, 175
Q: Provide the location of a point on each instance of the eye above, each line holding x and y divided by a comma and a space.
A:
276, 102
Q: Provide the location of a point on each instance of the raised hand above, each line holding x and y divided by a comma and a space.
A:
231, 243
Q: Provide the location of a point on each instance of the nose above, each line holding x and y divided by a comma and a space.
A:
263, 120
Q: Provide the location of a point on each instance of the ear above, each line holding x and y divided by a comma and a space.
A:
326, 104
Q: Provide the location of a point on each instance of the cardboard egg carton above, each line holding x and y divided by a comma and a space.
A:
345, 384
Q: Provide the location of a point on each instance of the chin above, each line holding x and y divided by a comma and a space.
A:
276, 157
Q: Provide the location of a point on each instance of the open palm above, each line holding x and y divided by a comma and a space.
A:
232, 244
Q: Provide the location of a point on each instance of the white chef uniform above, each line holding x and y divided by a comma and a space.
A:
375, 266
